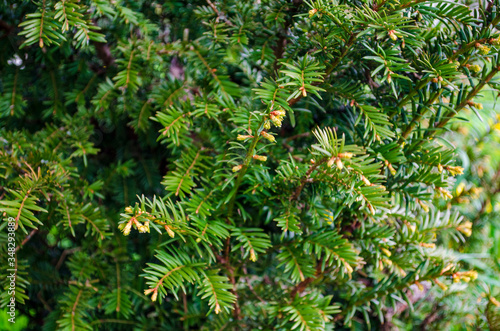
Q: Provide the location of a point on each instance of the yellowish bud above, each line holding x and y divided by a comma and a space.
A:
366, 181
475, 68
244, 137
154, 296
277, 117
280, 112
237, 168
268, 136
465, 228
445, 193
447, 268
386, 251
339, 164
276, 121
142, 228
304, 92
483, 49
427, 245
170, 232
128, 210
372, 210
441, 285
331, 161
348, 268
489, 208
475, 191
346, 155
390, 167
253, 257
494, 301
127, 228
392, 35
260, 158
424, 206
466, 276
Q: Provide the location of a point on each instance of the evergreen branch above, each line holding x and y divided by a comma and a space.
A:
333, 65
466, 101
73, 310
220, 15
187, 172
302, 286
306, 179
416, 119
21, 209
412, 93
212, 72
216, 287
243, 170
25, 240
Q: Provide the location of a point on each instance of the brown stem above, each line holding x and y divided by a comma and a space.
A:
305, 179
220, 15
469, 97
297, 136
28, 237
418, 117
467, 47
345, 50
184, 302
42, 300
300, 287
376, 6
237, 309
436, 310
64, 254
21, 209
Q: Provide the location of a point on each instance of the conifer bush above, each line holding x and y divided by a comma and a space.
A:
250, 165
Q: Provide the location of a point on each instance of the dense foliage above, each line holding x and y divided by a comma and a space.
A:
251, 165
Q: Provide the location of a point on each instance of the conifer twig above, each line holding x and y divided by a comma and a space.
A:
466, 101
